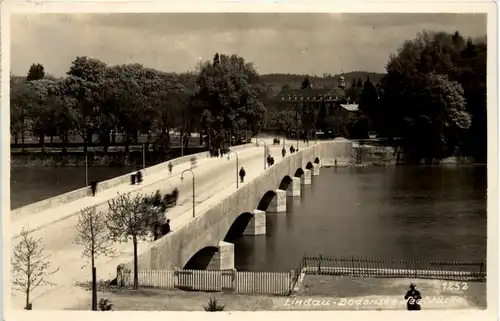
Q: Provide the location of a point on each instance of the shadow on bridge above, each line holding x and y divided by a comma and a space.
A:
201, 259
238, 228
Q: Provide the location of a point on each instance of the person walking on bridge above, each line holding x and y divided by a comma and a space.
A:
242, 174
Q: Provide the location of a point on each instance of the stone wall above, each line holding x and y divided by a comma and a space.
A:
367, 155
74, 159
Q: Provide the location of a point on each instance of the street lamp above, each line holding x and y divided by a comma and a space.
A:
144, 150
182, 178
237, 166
265, 151
87, 167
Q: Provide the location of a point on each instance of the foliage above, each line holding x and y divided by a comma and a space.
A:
30, 266
306, 83
429, 100
157, 207
92, 234
228, 97
213, 305
130, 218
105, 305
36, 72
285, 121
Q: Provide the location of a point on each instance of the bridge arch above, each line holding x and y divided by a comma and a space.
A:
316, 160
285, 182
201, 259
299, 172
309, 165
266, 200
238, 227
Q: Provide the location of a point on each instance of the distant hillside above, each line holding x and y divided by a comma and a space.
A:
275, 82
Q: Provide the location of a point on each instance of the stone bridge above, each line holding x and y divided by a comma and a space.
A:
204, 242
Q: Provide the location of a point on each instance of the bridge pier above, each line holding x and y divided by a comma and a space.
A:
257, 225
294, 187
315, 169
278, 204
223, 259
305, 179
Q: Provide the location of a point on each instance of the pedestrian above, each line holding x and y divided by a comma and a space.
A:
413, 298
139, 177
283, 152
268, 160
170, 168
165, 229
242, 174
271, 161
93, 187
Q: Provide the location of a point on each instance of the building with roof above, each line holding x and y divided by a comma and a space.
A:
320, 109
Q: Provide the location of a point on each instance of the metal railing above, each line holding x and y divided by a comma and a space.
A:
366, 267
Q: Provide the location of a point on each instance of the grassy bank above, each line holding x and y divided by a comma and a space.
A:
316, 293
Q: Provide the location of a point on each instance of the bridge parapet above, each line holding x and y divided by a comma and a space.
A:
210, 228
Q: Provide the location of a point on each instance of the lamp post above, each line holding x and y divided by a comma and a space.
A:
237, 166
265, 151
87, 167
297, 125
182, 178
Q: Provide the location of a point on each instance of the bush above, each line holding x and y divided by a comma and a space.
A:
105, 305
213, 305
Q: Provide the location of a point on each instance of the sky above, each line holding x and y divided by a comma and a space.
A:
296, 43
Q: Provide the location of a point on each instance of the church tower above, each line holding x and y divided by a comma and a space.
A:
342, 84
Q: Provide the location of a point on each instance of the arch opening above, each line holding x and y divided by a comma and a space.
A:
316, 160
285, 182
201, 259
299, 172
309, 166
266, 200
238, 227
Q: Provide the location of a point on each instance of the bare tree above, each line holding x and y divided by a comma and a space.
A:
93, 235
128, 218
30, 266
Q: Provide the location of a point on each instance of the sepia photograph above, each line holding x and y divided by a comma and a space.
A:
249, 161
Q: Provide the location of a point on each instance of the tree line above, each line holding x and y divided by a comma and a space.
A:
431, 102
95, 99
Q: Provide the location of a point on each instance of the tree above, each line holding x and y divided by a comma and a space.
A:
369, 101
30, 266
93, 235
285, 121
42, 110
306, 83
81, 94
414, 108
129, 218
359, 84
19, 104
36, 72
229, 96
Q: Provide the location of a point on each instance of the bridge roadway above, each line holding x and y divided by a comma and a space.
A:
57, 226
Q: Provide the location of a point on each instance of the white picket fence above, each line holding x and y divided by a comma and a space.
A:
275, 283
